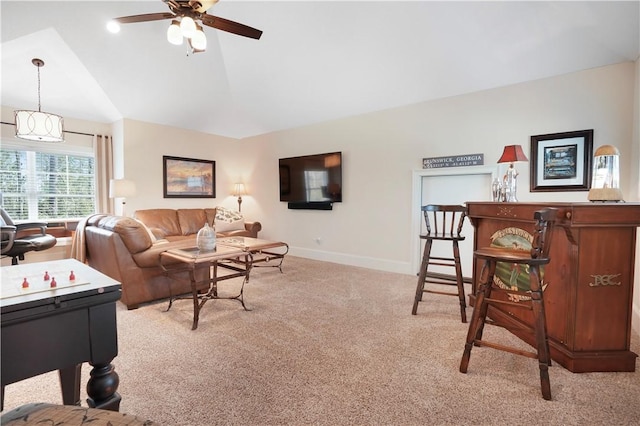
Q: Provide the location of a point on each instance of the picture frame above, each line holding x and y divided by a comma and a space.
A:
188, 177
561, 161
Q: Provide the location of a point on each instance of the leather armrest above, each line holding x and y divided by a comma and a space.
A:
253, 227
7, 229
158, 233
25, 226
8, 235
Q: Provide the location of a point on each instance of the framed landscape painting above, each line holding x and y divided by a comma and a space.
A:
188, 178
561, 161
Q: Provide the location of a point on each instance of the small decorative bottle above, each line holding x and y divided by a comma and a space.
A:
206, 238
496, 188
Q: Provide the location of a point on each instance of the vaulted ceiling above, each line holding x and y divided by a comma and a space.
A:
316, 61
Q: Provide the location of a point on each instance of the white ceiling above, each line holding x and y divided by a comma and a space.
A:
316, 61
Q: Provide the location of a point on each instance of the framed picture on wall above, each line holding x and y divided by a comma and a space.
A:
188, 178
561, 161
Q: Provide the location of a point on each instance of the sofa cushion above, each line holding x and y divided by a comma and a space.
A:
160, 221
228, 220
151, 234
191, 220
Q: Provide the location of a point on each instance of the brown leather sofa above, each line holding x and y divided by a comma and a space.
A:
129, 251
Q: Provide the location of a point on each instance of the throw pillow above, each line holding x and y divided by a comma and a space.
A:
228, 220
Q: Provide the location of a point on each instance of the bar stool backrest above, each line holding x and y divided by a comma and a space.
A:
545, 222
444, 221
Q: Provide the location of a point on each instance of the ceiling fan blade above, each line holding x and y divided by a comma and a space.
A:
145, 17
230, 26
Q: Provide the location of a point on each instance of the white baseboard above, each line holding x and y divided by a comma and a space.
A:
353, 260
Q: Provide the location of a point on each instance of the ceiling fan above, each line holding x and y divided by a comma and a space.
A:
185, 15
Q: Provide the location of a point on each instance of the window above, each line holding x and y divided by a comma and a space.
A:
43, 185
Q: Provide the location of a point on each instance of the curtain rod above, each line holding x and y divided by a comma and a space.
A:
64, 131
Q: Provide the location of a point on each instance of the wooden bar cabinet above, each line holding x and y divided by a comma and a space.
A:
588, 284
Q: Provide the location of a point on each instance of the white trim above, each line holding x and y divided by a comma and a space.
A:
349, 259
47, 147
416, 199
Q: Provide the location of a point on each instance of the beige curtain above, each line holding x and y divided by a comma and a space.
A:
103, 152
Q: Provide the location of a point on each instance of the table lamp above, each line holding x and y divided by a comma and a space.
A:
511, 154
122, 188
239, 191
605, 181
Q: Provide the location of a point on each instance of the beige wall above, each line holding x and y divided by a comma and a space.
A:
145, 144
372, 228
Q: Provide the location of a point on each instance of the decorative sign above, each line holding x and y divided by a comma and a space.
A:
513, 276
453, 161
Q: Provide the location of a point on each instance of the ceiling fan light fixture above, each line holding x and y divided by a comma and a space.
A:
188, 26
174, 34
199, 40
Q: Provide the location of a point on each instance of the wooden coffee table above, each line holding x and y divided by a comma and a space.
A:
191, 258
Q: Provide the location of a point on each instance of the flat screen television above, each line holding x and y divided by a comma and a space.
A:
311, 178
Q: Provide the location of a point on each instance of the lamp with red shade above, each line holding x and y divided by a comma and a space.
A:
511, 154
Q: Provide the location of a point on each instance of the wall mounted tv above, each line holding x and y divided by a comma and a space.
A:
311, 181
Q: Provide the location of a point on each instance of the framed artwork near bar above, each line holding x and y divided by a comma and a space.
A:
561, 161
188, 178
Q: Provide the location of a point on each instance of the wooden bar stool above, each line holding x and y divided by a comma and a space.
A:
489, 294
444, 223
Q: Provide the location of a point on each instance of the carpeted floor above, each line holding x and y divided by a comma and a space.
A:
329, 344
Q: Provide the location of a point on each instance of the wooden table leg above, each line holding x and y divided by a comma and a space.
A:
102, 387
70, 384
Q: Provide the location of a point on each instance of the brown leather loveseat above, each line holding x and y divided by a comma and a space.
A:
128, 249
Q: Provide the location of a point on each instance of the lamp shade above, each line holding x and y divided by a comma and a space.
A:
174, 34
512, 153
121, 188
605, 183
238, 189
199, 40
188, 26
39, 126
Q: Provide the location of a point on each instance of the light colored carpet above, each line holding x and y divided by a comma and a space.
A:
329, 344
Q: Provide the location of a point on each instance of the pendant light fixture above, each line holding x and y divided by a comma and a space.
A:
37, 125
